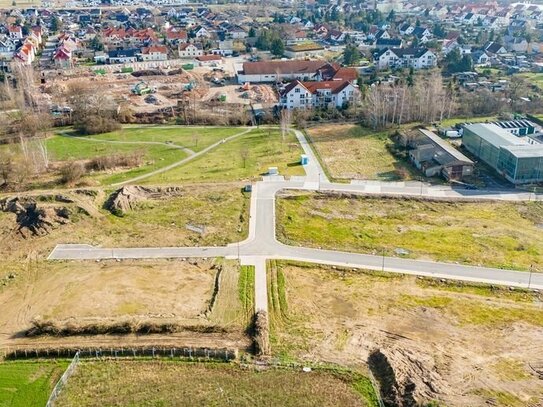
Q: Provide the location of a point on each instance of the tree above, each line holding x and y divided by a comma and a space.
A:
277, 47
252, 32
391, 16
244, 154
351, 55
55, 24
455, 62
96, 44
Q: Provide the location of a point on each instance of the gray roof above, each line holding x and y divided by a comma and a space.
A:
495, 135
526, 151
444, 145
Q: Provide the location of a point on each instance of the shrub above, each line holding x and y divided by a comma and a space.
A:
71, 172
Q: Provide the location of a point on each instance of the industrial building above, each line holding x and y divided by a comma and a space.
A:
435, 156
519, 160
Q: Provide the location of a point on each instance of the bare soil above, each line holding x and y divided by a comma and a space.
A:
462, 347
76, 294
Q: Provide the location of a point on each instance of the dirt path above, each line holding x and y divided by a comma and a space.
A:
185, 160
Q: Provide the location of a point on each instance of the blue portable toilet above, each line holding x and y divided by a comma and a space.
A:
304, 159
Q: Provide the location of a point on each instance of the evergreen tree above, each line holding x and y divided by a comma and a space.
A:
277, 47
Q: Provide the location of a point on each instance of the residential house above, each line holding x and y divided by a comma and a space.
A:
187, 50
123, 56
382, 43
422, 34
417, 58
303, 70
480, 58
154, 53
321, 94
493, 48
15, 32
7, 47
201, 32
406, 29
209, 60
176, 35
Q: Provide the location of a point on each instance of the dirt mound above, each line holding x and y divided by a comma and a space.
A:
262, 334
33, 220
126, 198
403, 378
148, 72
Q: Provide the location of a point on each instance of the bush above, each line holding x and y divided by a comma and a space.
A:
95, 125
114, 161
71, 172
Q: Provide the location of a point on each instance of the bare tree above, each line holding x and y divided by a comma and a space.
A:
285, 124
244, 154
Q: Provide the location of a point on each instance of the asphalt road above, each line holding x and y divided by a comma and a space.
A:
261, 243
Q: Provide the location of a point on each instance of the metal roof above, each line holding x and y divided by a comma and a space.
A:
449, 149
495, 135
526, 151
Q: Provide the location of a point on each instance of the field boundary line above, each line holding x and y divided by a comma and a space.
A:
63, 380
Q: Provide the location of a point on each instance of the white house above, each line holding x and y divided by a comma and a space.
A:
187, 50
7, 47
16, 32
417, 58
154, 53
325, 94
201, 32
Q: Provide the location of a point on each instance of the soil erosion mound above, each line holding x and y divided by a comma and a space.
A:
126, 198
33, 220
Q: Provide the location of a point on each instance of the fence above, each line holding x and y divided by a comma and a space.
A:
191, 353
62, 381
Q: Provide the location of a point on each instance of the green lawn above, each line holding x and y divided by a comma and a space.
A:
496, 234
28, 383
263, 148
194, 138
533, 78
478, 119
170, 383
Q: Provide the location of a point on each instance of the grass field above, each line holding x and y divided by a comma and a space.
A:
506, 235
457, 343
8, 4
25, 384
131, 140
350, 151
478, 119
193, 138
263, 148
164, 383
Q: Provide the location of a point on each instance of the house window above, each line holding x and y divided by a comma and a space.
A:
297, 90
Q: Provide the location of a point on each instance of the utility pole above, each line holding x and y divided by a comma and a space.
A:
530, 275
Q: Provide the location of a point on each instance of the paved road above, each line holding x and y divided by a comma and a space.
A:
261, 243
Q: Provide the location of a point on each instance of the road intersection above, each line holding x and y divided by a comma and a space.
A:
261, 243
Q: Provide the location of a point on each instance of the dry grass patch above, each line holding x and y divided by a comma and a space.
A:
350, 151
161, 383
432, 339
159, 296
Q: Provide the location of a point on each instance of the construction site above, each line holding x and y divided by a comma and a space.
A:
156, 94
